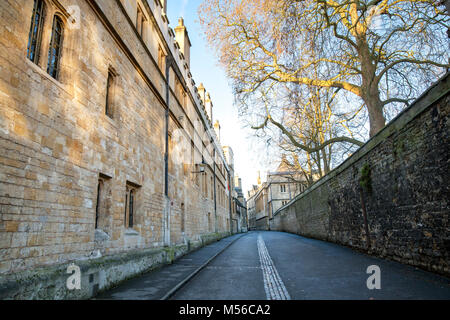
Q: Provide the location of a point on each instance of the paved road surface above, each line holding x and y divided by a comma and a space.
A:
274, 265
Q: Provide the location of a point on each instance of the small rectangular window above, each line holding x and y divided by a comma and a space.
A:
54, 54
140, 21
130, 205
110, 85
179, 92
171, 156
212, 188
161, 60
103, 202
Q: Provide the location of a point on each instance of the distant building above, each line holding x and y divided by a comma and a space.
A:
266, 198
240, 206
239, 220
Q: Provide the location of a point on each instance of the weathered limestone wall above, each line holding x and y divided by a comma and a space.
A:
56, 140
408, 204
262, 223
97, 275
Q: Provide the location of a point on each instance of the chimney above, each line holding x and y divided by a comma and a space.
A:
181, 36
217, 129
209, 107
259, 178
236, 181
202, 92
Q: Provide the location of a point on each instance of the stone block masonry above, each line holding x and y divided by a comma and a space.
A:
82, 151
400, 178
97, 274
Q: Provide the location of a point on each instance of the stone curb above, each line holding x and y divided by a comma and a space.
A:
189, 277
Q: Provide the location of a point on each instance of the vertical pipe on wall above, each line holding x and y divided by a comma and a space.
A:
229, 201
215, 201
166, 223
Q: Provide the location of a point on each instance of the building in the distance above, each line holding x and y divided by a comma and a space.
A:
238, 203
265, 198
240, 206
106, 144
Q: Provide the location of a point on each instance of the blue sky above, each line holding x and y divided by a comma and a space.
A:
205, 69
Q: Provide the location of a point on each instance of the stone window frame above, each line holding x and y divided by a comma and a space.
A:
55, 47
212, 187
180, 93
195, 167
131, 201
141, 21
103, 186
162, 60
37, 35
111, 94
52, 10
283, 188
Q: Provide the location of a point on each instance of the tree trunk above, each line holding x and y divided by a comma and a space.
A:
375, 109
370, 91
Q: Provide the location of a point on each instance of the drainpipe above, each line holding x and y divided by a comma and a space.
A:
215, 201
271, 197
169, 60
229, 202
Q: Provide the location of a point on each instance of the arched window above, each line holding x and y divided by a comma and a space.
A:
35, 36
54, 53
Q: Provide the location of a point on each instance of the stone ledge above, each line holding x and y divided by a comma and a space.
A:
99, 274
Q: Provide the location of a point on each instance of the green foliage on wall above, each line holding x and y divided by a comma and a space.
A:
365, 180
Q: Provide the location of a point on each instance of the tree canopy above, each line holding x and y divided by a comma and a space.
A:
381, 51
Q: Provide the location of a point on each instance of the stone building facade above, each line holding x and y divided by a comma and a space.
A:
237, 200
268, 197
87, 121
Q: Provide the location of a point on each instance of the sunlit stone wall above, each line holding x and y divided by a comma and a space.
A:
56, 140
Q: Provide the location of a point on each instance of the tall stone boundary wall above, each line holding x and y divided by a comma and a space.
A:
401, 177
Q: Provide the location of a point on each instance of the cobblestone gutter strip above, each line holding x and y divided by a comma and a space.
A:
189, 277
49, 283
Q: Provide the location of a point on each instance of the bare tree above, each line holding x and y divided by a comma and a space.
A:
307, 129
382, 51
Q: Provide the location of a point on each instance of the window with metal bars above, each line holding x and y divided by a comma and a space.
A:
35, 35
54, 53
